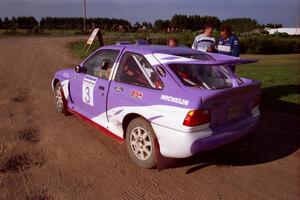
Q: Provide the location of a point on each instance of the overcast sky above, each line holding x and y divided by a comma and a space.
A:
285, 12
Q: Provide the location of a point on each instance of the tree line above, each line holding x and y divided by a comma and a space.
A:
77, 23
176, 23
18, 22
197, 22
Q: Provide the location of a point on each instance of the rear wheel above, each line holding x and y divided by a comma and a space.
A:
59, 99
140, 140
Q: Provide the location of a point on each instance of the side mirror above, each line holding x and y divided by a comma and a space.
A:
78, 69
105, 64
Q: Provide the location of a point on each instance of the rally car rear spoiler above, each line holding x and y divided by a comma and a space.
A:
228, 62
217, 62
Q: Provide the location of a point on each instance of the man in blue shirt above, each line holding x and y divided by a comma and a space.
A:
229, 43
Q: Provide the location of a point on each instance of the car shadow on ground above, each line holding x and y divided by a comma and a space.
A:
277, 136
271, 98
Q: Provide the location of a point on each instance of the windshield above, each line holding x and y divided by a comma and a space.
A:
209, 77
196, 56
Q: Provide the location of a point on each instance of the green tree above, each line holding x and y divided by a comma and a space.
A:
269, 25
180, 22
26, 22
13, 27
136, 26
241, 25
6, 23
161, 25
194, 22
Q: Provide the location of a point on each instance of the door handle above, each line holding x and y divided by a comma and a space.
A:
101, 87
118, 89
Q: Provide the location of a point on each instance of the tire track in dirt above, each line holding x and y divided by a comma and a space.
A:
123, 162
23, 154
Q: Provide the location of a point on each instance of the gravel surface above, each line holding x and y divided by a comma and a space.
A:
46, 155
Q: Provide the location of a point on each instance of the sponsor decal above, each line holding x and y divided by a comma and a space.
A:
136, 94
175, 100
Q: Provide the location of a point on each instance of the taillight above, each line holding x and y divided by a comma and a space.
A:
197, 117
257, 101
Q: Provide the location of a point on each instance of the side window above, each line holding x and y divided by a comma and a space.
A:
136, 70
100, 63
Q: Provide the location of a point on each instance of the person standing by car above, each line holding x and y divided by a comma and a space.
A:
172, 42
205, 42
228, 43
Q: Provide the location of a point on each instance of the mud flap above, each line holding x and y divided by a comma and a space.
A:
163, 162
158, 156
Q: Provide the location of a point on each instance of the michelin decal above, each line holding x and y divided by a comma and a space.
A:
175, 100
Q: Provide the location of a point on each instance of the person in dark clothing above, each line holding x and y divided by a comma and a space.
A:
228, 43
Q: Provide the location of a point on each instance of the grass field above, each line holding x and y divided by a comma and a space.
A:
112, 38
279, 74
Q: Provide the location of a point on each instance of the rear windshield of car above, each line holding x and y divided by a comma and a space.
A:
196, 56
202, 76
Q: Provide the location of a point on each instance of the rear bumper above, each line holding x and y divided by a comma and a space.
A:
224, 135
177, 144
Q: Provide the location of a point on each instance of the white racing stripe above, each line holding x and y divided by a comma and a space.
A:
170, 117
65, 87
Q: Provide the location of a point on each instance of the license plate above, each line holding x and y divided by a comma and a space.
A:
234, 112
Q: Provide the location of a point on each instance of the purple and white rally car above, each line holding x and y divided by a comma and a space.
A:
158, 99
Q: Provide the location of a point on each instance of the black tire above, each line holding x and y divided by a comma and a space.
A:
140, 142
59, 101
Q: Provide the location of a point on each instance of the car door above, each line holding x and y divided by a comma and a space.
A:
135, 85
90, 87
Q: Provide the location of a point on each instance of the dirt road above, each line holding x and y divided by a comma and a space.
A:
45, 155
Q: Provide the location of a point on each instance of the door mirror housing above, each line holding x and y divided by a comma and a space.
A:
78, 69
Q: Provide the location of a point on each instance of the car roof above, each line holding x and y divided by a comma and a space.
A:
150, 49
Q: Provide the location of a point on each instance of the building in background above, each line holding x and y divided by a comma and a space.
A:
289, 31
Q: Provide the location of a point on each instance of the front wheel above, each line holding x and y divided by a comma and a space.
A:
140, 140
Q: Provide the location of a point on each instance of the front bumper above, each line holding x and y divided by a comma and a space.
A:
178, 144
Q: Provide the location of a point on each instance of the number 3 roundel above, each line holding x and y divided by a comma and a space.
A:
88, 86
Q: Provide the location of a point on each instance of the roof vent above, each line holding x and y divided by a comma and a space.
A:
122, 43
141, 42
